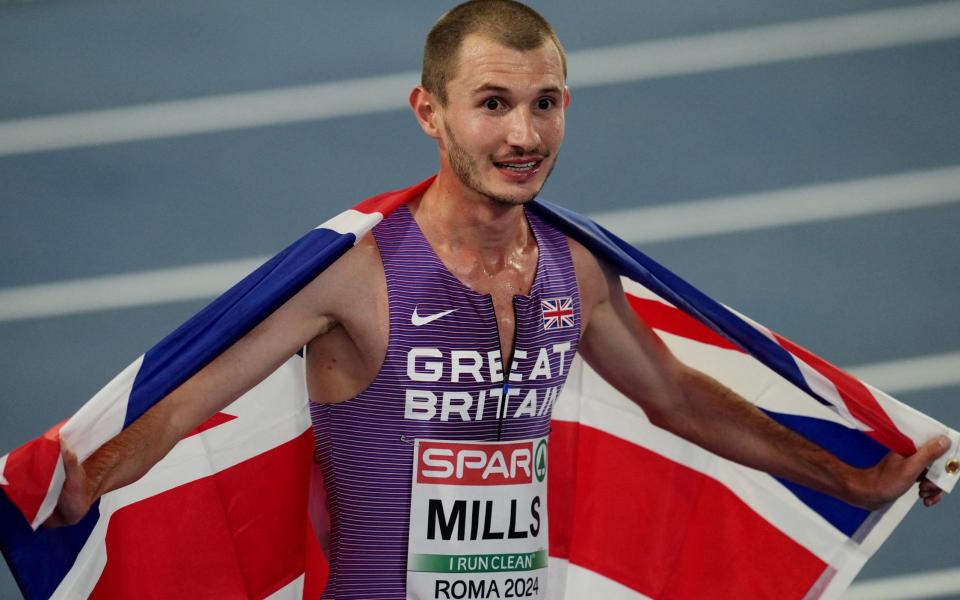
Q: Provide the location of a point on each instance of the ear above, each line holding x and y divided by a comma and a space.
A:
425, 109
566, 97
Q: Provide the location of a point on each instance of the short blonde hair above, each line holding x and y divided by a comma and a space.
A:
506, 22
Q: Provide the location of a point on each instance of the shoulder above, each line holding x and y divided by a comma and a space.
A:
352, 284
597, 282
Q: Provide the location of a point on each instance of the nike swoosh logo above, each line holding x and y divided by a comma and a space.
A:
417, 320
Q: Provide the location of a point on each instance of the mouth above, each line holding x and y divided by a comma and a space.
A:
521, 168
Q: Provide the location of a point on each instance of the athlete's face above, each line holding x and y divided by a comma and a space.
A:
503, 123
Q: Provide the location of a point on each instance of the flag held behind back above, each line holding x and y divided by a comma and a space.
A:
201, 496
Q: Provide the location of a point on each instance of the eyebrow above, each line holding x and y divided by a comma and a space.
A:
490, 87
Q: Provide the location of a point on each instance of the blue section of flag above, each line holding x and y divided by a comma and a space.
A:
228, 318
41, 559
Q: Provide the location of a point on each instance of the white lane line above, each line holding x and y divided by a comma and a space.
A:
641, 225
766, 44
204, 115
931, 584
654, 59
111, 292
792, 206
912, 374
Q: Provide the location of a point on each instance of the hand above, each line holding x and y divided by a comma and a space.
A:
76, 496
895, 474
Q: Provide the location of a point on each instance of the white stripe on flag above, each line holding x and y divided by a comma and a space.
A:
291, 591
352, 221
826, 389
579, 583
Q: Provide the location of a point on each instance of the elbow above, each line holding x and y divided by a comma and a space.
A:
658, 417
677, 423
677, 411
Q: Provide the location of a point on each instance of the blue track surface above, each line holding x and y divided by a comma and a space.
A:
855, 290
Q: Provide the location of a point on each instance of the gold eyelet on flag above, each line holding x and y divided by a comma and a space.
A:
953, 466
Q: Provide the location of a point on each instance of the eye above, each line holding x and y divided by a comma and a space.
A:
492, 104
545, 103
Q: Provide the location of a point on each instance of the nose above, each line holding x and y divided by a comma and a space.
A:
523, 131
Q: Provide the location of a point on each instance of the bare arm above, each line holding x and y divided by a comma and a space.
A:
128, 456
696, 407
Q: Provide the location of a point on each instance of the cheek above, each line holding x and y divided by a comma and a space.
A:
554, 132
480, 140
483, 133
554, 125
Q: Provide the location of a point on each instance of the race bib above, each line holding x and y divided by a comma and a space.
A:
478, 520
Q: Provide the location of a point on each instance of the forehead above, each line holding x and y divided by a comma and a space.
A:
482, 61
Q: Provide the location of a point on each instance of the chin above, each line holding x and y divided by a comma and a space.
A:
512, 199
512, 193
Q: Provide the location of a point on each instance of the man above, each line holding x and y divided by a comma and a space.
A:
433, 333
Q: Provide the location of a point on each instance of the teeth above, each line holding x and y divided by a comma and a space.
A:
519, 166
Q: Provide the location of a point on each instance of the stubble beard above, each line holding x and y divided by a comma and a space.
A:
466, 170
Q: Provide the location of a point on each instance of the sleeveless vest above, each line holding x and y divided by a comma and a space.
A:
442, 378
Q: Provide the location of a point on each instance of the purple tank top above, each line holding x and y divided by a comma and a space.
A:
442, 378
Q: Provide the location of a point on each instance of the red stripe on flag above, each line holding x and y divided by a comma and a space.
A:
236, 534
388, 202
30, 469
661, 528
859, 400
664, 317
214, 421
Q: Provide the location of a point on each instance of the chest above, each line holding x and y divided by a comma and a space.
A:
448, 299
502, 289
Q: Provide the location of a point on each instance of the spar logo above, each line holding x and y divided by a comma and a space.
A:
463, 463
540, 461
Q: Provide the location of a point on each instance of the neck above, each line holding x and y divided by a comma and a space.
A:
457, 219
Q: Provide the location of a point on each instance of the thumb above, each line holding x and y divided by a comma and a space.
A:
71, 464
931, 451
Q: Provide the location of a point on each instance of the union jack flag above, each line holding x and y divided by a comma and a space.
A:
557, 313
236, 491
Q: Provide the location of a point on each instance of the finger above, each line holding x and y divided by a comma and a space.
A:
928, 502
72, 468
71, 504
70, 461
67, 452
928, 486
